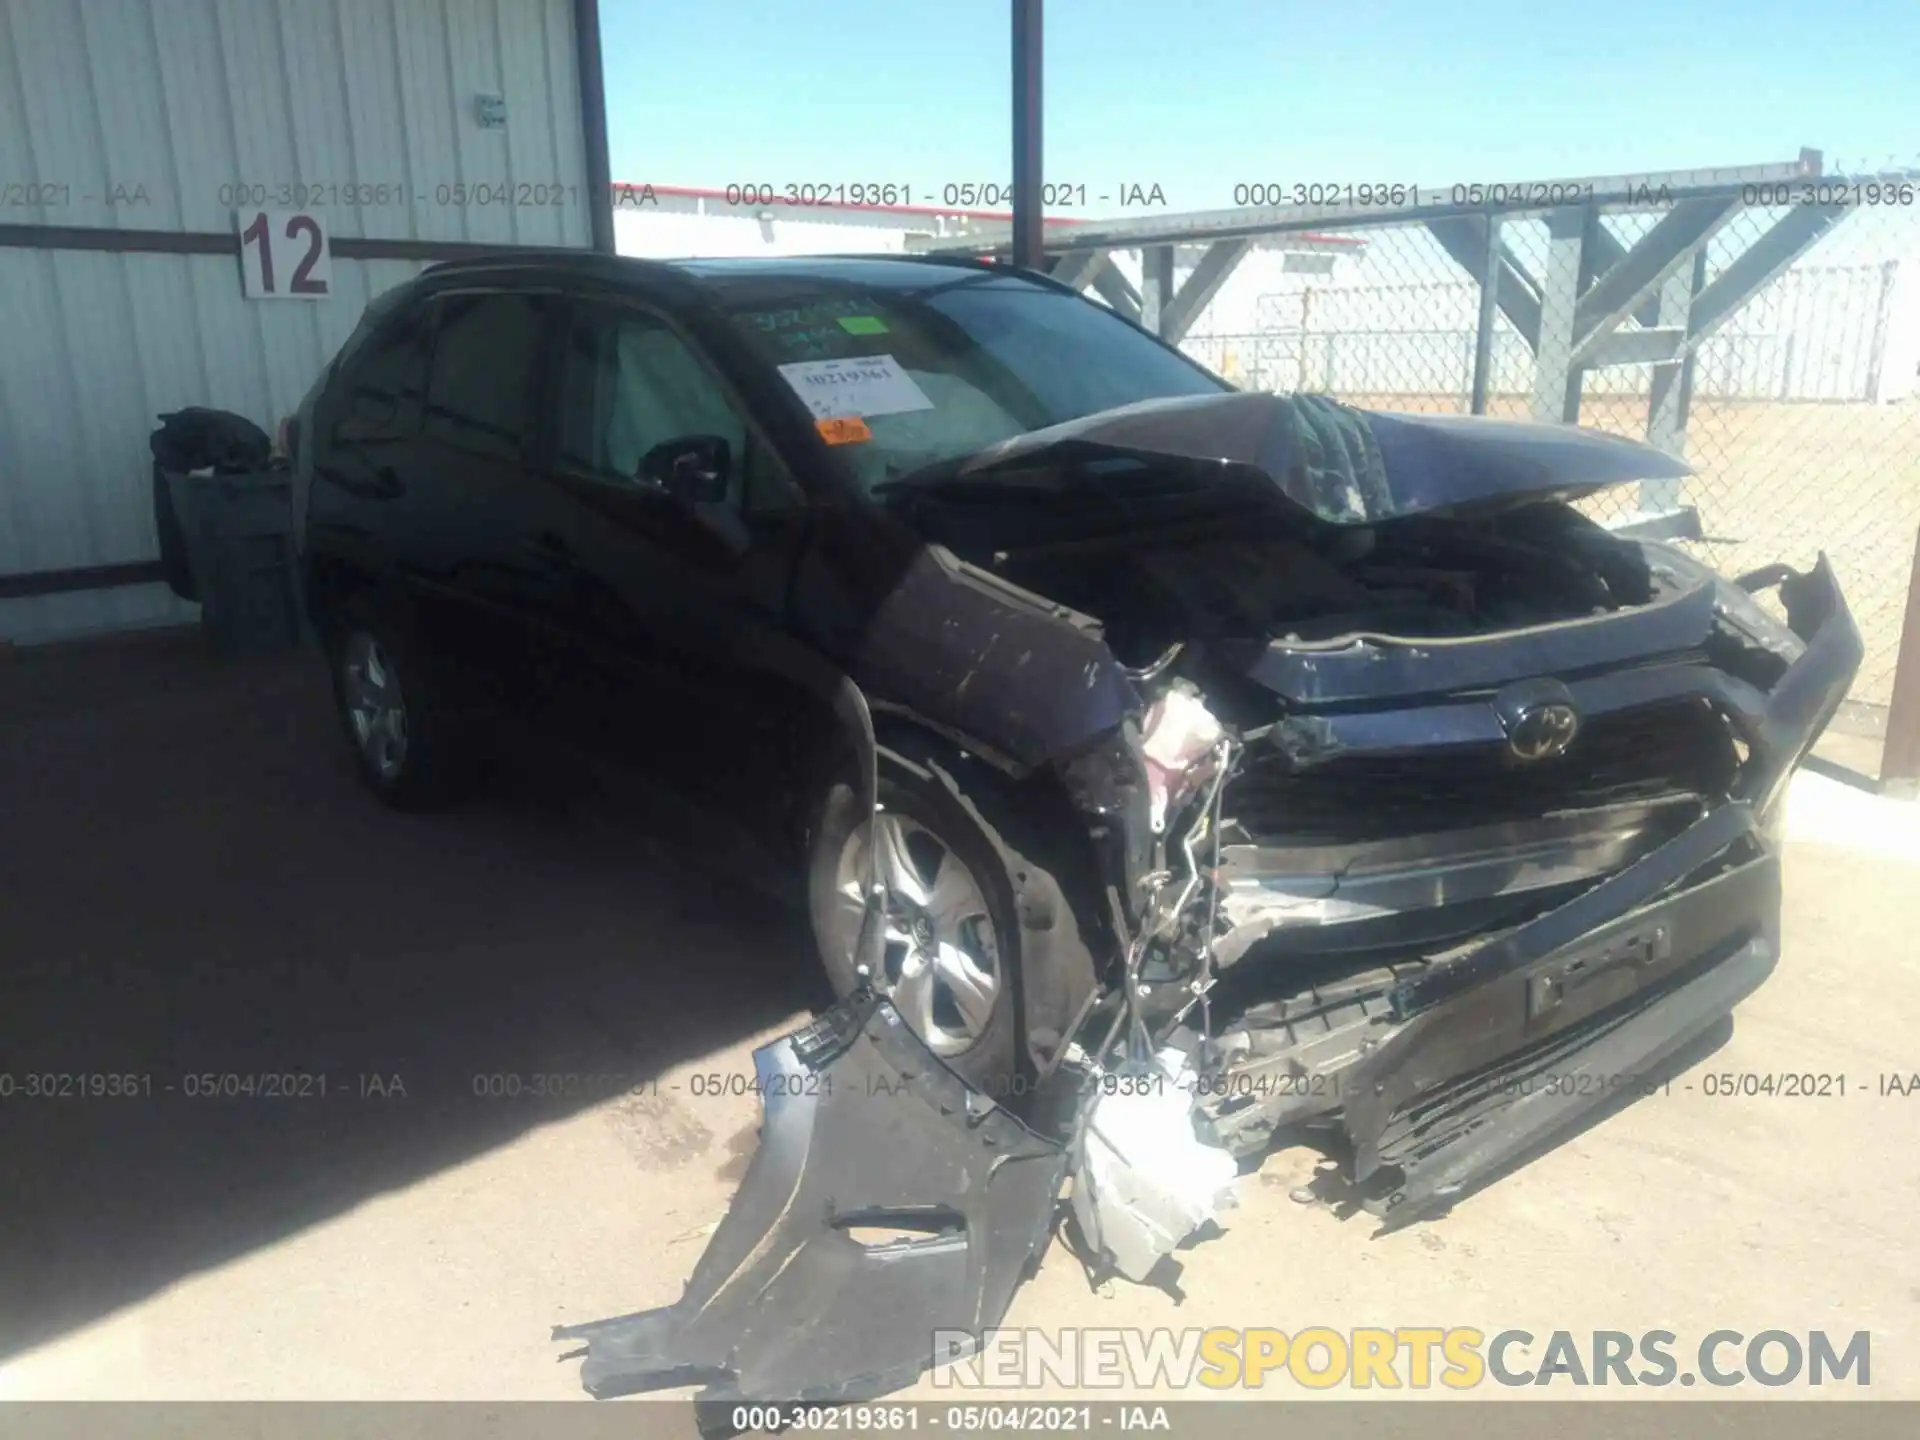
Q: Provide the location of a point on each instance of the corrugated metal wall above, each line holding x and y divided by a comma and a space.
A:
152, 114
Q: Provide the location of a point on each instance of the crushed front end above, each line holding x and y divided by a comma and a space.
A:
1416, 808
1454, 916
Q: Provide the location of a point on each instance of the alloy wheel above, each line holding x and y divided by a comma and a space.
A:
376, 709
942, 966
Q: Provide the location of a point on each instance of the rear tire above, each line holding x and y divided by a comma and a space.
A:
952, 960
405, 749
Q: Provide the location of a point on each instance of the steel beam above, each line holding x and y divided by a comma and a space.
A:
1650, 345
1077, 267
1465, 238
1116, 289
1641, 272
1556, 378
1672, 382
1156, 286
1492, 262
1201, 286
1028, 220
1785, 242
1609, 252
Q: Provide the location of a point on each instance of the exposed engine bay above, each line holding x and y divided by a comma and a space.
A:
1419, 578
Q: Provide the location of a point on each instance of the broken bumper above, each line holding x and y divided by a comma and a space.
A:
1444, 1076
865, 1132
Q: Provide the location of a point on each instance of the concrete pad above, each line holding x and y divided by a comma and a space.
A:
195, 886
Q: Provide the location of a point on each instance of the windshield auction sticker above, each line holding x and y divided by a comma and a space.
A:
860, 386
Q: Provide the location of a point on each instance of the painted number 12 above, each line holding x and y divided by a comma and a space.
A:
289, 244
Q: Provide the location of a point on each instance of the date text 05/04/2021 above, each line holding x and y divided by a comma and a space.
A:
84, 1085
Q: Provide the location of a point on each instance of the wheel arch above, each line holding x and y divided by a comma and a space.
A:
1050, 865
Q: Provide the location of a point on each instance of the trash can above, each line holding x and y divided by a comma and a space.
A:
238, 530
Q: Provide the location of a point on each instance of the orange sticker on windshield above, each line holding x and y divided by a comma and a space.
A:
844, 430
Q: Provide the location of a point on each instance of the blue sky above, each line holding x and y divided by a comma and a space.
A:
1200, 95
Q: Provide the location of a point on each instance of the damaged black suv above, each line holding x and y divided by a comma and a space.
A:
1113, 713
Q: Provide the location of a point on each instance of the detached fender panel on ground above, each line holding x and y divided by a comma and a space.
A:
794, 1300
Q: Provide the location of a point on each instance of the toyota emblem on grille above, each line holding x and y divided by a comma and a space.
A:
1542, 731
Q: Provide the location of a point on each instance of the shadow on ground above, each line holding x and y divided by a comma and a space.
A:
194, 885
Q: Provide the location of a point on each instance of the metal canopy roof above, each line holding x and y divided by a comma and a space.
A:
1609, 192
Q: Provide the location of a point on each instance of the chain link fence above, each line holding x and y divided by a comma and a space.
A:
1799, 410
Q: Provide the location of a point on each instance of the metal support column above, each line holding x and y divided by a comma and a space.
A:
1156, 286
1216, 267
1671, 384
1029, 226
1556, 379
593, 123
1489, 307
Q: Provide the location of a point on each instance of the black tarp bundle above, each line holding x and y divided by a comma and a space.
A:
195, 438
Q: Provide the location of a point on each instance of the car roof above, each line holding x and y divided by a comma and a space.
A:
715, 277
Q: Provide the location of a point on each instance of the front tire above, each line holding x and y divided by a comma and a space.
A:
951, 959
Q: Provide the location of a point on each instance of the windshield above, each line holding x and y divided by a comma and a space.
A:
925, 375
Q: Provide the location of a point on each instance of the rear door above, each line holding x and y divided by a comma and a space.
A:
483, 588
678, 609
365, 437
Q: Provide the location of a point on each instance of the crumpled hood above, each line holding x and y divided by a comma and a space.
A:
1344, 465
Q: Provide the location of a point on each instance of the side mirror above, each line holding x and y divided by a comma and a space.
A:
692, 469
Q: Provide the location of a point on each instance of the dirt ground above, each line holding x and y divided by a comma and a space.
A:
195, 886
1781, 482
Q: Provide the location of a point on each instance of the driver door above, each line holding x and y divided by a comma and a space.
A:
674, 596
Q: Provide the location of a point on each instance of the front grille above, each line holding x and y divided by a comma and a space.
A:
1656, 751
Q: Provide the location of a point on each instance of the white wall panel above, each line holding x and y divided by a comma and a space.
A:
169, 104
140, 113
116, 341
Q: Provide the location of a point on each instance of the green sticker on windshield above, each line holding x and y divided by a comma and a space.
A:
863, 325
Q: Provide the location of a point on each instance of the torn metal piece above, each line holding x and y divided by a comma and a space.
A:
1143, 1180
888, 1201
